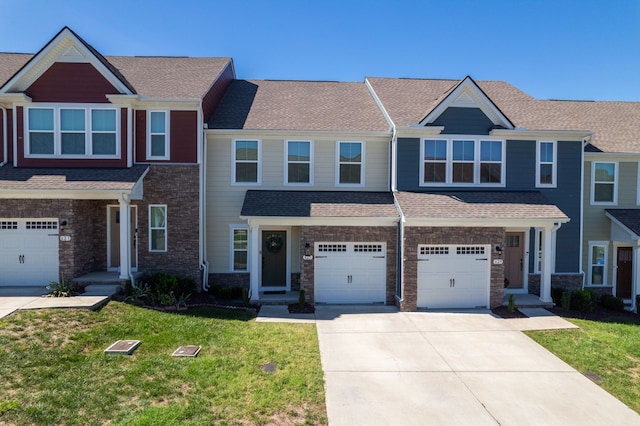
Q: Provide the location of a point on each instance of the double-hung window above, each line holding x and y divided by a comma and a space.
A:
546, 164
158, 228
598, 262
299, 158
604, 188
158, 140
461, 161
350, 164
72, 132
246, 161
239, 249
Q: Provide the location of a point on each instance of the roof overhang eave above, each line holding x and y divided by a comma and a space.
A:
321, 221
531, 222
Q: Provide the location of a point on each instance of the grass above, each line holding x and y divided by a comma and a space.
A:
53, 369
608, 348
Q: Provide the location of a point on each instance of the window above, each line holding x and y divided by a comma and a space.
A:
239, 248
546, 164
158, 228
603, 183
598, 262
158, 140
246, 161
462, 162
350, 164
298, 162
71, 132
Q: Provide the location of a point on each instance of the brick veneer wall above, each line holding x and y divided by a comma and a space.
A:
233, 279
434, 235
311, 234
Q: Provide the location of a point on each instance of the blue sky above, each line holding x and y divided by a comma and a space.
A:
551, 49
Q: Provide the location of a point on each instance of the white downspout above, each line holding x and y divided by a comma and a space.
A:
15, 137
399, 260
5, 148
202, 252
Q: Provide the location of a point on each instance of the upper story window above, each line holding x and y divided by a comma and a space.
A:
462, 161
71, 132
604, 187
546, 164
246, 161
299, 159
158, 140
350, 164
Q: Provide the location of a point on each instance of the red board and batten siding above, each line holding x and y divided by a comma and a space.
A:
71, 82
183, 137
67, 162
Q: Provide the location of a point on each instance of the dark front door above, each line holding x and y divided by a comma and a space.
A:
513, 255
625, 272
274, 260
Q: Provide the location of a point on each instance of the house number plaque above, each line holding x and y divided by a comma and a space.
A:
65, 237
498, 261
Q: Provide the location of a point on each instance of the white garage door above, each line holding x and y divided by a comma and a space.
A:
28, 252
350, 272
453, 276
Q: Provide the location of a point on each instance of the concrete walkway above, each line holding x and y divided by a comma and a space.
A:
17, 298
383, 367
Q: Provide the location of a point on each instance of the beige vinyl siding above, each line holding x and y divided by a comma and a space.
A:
596, 226
224, 200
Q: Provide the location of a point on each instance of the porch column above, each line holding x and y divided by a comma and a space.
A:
125, 237
255, 260
545, 273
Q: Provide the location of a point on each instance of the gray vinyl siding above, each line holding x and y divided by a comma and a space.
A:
464, 121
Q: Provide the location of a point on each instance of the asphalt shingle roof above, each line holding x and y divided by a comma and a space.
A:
319, 204
478, 205
628, 217
81, 179
298, 105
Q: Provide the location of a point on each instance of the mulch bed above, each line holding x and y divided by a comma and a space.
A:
600, 314
503, 311
297, 308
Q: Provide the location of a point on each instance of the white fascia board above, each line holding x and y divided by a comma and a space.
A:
484, 223
632, 234
418, 131
256, 133
49, 55
50, 194
526, 134
142, 102
9, 99
320, 221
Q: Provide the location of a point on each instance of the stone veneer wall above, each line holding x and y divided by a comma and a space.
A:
568, 282
312, 234
436, 235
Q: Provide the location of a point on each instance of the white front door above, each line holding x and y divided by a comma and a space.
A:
453, 276
28, 252
350, 272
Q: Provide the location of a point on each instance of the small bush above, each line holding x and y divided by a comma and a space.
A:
583, 300
612, 302
556, 295
228, 293
512, 304
214, 289
302, 297
565, 300
60, 289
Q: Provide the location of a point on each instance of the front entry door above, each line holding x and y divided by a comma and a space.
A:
624, 272
513, 260
274, 260
113, 217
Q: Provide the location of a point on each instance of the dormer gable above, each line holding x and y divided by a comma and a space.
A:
67, 64
469, 96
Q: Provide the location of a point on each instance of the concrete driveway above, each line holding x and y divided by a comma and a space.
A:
383, 367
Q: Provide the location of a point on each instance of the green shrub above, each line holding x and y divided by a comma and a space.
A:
301, 297
612, 302
565, 300
512, 303
228, 293
583, 300
214, 289
60, 289
556, 295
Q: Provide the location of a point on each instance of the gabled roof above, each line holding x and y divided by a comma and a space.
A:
308, 204
455, 205
153, 77
298, 105
627, 218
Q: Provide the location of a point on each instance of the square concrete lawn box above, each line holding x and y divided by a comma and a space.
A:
125, 347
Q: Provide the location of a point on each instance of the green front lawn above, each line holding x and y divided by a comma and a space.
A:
53, 369
609, 348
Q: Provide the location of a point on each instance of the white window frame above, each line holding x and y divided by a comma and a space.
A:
57, 131
234, 162
232, 249
362, 165
167, 143
615, 184
554, 165
287, 162
165, 228
605, 265
477, 162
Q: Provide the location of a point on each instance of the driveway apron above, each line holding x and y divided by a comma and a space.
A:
384, 367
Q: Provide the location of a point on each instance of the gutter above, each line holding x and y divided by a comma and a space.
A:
5, 148
202, 211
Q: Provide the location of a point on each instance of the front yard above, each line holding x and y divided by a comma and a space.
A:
609, 347
53, 369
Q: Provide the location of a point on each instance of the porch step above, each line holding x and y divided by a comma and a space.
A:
277, 299
101, 289
527, 301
